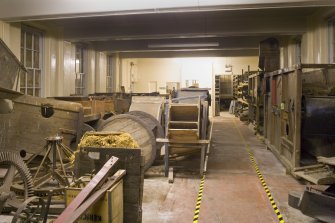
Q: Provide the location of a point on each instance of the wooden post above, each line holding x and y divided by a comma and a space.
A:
166, 159
297, 124
202, 159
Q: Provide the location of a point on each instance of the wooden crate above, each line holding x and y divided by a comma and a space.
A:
129, 160
107, 210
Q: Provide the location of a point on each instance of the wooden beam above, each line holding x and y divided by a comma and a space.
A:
163, 140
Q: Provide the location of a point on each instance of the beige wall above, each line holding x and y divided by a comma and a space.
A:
11, 35
156, 70
58, 61
315, 43
100, 72
69, 69
164, 70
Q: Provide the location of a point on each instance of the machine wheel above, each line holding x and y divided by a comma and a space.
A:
13, 164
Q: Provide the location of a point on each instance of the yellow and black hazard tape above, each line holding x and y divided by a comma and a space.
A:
197, 207
260, 176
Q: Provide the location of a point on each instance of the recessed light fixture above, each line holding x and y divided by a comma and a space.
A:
185, 45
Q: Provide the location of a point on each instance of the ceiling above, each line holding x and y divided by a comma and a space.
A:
183, 33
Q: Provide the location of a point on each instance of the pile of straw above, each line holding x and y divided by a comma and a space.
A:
112, 140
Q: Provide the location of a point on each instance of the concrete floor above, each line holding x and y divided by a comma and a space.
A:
232, 190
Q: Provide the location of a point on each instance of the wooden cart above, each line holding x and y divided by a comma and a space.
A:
186, 129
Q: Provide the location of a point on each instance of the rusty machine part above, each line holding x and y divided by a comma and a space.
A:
52, 173
10, 163
12, 166
318, 126
92, 186
31, 210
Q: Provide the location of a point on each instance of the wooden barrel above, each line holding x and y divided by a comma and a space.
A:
138, 129
153, 124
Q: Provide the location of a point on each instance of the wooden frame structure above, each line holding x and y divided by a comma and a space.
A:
186, 127
282, 112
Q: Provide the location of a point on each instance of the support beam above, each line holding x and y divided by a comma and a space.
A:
18, 10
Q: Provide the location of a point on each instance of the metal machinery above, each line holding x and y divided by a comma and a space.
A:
299, 124
26, 206
54, 172
24, 123
295, 111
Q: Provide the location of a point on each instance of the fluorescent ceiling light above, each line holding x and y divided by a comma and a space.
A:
186, 45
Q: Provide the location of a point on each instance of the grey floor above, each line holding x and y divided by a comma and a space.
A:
232, 189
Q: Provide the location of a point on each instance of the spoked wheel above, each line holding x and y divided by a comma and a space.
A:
11, 167
28, 208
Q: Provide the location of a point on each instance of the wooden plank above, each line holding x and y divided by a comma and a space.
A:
200, 141
182, 125
37, 102
319, 176
205, 165
204, 120
108, 209
183, 134
97, 181
210, 137
297, 120
307, 167
202, 160
326, 160
316, 66
92, 117
171, 179
279, 72
287, 143
166, 158
91, 200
